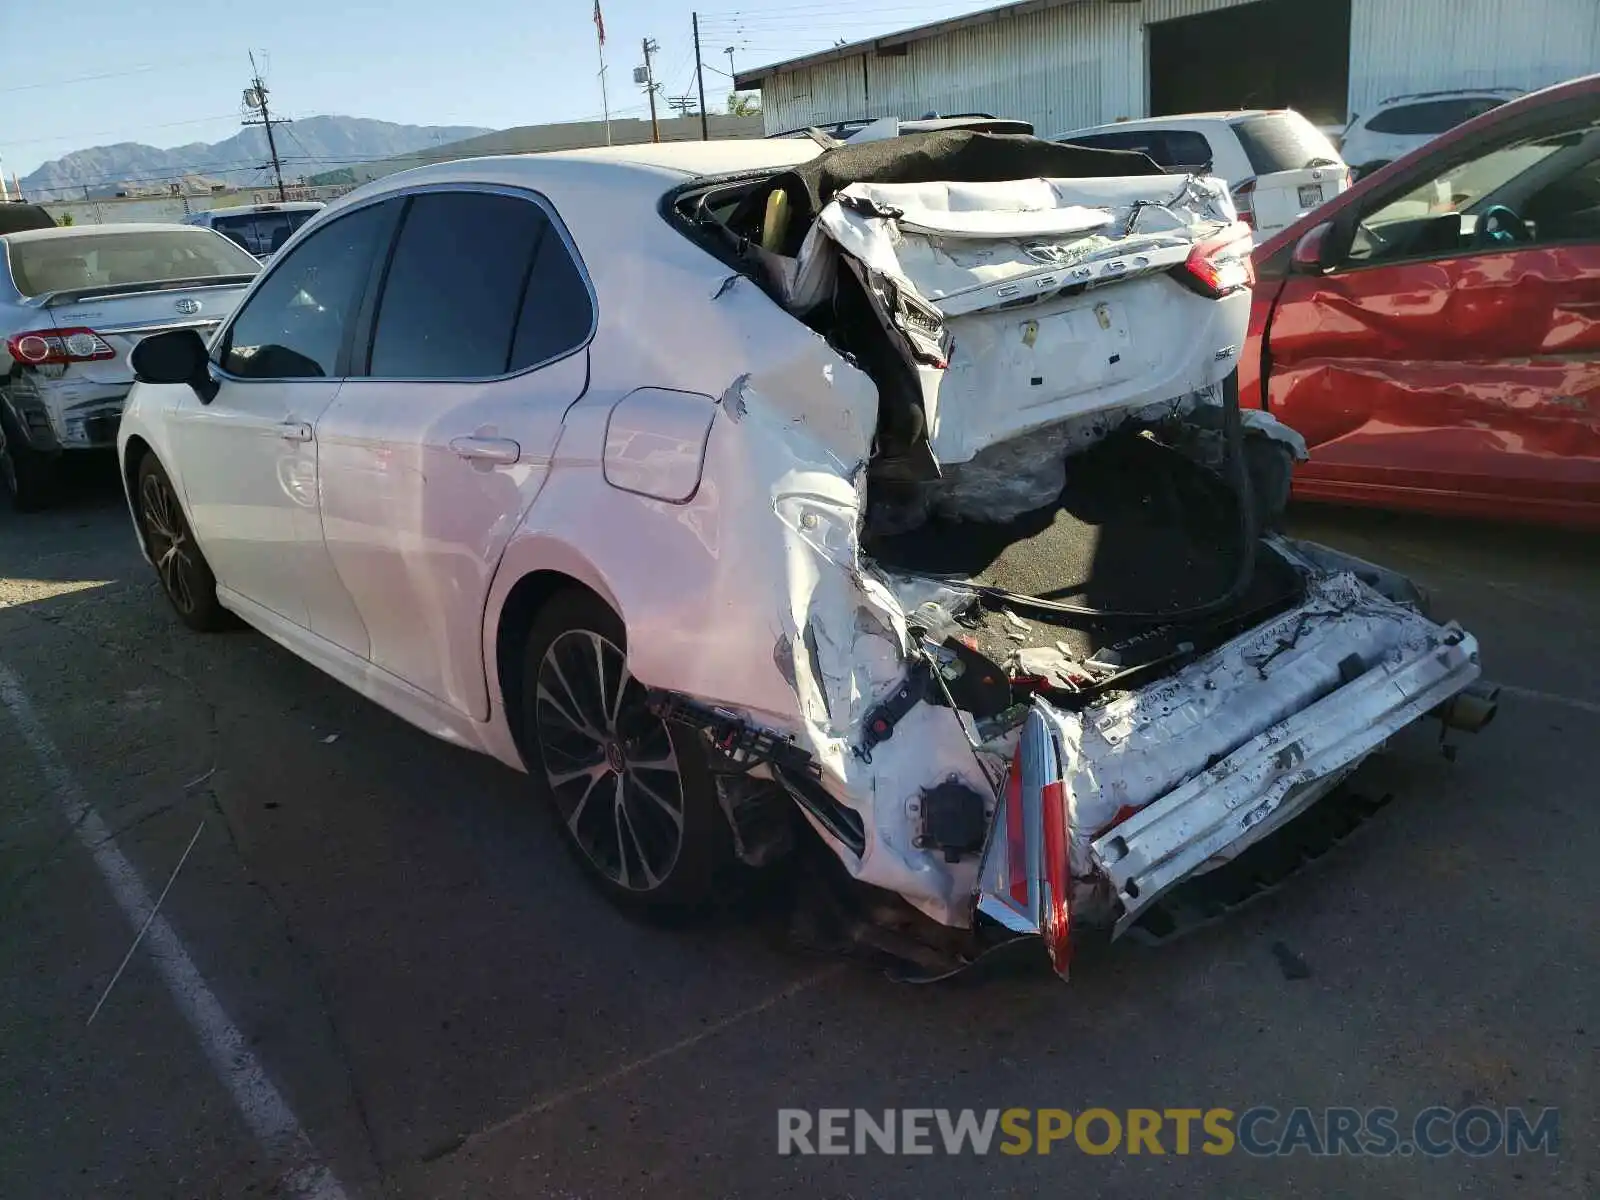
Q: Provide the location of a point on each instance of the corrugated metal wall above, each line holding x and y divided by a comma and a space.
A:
1062, 68
1084, 63
1399, 46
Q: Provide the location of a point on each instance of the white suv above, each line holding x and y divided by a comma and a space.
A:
1277, 164
1402, 123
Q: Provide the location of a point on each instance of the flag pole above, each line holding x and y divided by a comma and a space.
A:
600, 50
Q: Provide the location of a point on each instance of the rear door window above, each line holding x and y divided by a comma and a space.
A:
1184, 149
1429, 117
1283, 142
262, 233
239, 229
481, 284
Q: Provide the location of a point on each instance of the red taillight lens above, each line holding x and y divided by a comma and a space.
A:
1221, 264
41, 346
1244, 201
1028, 866
1055, 925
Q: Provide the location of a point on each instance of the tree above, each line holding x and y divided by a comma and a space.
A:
744, 104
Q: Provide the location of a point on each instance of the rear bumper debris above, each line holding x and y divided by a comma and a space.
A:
1278, 774
1110, 809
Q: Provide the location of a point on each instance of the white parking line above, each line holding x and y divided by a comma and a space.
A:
1522, 693
259, 1102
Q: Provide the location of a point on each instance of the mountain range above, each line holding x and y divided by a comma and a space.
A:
307, 147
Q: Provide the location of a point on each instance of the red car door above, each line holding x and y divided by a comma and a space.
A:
1449, 358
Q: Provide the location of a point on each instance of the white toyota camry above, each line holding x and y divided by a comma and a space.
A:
896, 495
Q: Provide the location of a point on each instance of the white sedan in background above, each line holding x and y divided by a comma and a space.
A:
73, 301
723, 488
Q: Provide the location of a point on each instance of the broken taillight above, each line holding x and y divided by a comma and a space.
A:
1025, 881
1055, 924
1221, 264
39, 347
1244, 200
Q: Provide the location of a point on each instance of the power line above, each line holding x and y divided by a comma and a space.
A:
68, 137
50, 83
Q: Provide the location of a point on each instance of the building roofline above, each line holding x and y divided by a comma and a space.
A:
900, 38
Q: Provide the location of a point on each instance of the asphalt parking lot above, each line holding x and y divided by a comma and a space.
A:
378, 974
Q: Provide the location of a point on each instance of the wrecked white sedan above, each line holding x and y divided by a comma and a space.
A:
897, 495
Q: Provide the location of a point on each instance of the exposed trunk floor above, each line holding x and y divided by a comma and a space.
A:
1139, 527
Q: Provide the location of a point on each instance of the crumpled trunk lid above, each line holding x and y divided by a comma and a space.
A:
1030, 303
1112, 807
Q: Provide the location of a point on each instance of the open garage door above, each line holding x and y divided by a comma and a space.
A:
1267, 54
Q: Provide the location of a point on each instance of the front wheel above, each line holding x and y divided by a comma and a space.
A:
185, 576
633, 793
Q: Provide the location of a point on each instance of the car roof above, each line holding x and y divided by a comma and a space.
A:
1174, 119
1497, 93
274, 206
644, 172
70, 231
723, 157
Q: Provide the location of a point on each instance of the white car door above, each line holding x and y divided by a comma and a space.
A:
247, 458
434, 449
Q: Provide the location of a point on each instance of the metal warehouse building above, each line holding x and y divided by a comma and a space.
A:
1064, 64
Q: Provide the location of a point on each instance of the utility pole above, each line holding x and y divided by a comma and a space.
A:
600, 47
255, 99
700, 79
650, 47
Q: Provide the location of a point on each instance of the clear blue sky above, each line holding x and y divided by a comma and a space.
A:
177, 77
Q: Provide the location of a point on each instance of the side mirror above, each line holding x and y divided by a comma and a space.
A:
178, 356
1310, 252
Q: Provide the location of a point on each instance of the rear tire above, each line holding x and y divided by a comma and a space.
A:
183, 572
28, 477
633, 794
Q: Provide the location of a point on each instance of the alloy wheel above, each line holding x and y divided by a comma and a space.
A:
609, 762
167, 536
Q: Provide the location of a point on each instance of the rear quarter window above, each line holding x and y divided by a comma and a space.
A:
1282, 142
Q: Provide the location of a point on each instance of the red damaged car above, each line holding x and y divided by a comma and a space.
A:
1434, 332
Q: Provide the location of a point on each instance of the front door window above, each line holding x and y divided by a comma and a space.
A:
1533, 191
